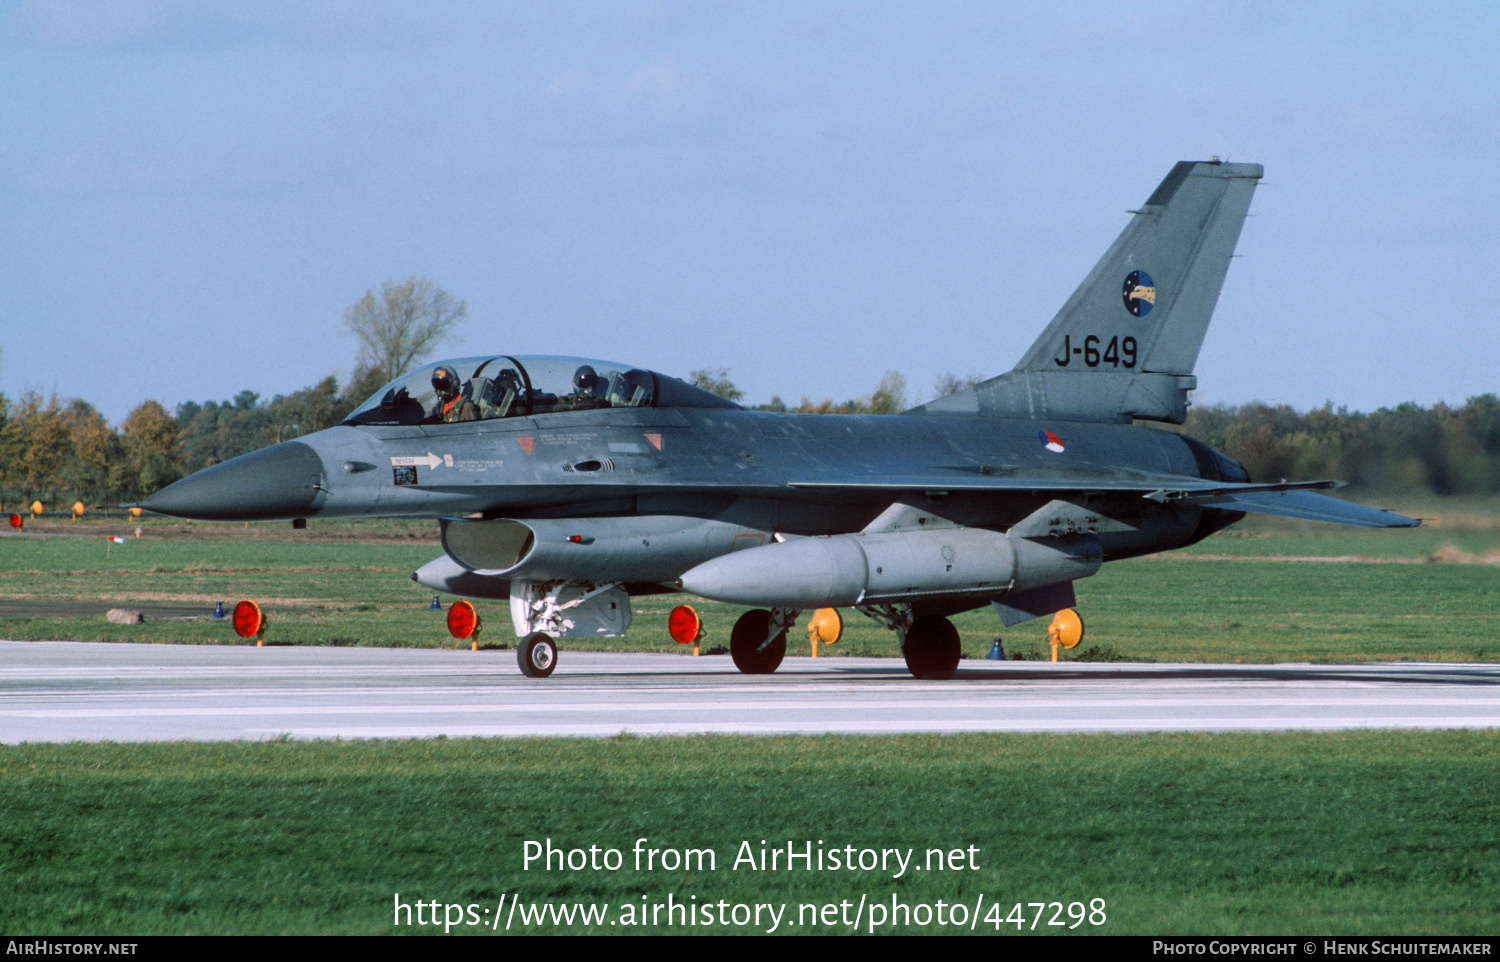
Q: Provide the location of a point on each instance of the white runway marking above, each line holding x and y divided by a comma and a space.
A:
63, 691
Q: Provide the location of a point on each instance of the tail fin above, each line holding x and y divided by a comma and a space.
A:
1124, 345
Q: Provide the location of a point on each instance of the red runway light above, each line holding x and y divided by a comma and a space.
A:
248, 621
463, 620
683, 624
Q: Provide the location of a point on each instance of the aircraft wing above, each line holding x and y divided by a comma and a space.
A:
1313, 507
1296, 499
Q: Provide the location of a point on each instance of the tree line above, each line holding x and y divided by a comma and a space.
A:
1411, 449
56, 449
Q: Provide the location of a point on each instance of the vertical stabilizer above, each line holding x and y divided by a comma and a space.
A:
1124, 345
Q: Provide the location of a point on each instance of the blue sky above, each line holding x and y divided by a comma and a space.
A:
808, 194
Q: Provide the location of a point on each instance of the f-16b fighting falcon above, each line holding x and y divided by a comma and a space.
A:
568, 485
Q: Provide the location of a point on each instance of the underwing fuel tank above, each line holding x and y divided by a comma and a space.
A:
851, 569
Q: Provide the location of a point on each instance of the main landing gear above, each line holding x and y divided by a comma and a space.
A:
537, 655
758, 642
929, 643
931, 648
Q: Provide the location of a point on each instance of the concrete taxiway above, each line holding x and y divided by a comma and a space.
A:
67, 691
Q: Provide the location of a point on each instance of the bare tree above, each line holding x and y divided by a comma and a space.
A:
716, 381
401, 325
890, 394
951, 383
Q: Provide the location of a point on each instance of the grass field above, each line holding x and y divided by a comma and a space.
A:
1264, 591
1370, 832
1345, 833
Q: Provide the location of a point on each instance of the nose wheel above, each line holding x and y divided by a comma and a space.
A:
537, 655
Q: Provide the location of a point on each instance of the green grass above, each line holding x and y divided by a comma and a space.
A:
1288, 540
1234, 598
1352, 833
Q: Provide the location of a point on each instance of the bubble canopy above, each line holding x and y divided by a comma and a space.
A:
501, 386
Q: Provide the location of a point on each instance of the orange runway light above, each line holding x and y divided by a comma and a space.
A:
1066, 630
826, 626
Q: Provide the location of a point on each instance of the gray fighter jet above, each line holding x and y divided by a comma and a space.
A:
567, 485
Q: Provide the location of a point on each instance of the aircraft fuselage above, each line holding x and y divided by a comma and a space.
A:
784, 473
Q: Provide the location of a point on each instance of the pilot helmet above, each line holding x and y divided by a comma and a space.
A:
585, 380
443, 381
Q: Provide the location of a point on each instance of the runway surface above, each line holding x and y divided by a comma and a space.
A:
72, 691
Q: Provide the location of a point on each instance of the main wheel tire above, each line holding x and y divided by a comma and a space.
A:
932, 648
745, 640
537, 655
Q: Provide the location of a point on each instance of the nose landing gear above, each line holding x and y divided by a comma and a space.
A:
537, 655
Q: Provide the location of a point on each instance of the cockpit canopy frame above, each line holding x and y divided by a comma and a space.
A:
493, 387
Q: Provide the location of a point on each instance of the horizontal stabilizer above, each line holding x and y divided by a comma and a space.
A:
1214, 492
1313, 507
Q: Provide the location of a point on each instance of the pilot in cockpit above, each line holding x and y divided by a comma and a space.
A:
450, 404
588, 388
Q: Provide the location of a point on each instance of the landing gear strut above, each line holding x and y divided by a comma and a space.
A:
537, 655
758, 642
929, 643
932, 648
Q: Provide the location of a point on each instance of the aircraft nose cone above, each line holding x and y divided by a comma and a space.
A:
275, 483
